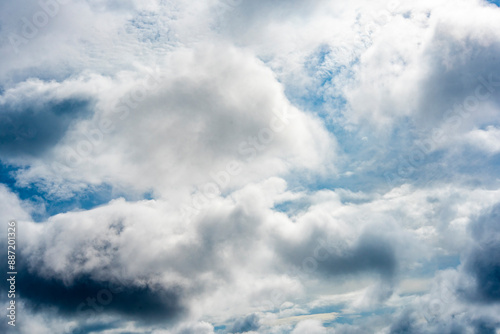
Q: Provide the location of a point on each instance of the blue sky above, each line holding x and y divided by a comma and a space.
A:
252, 166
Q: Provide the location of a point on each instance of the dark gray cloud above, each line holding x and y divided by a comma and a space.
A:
484, 265
95, 327
483, 260
370, 253
86, 298
408, 322
464, 75
31, 128
246, 324
484, 327
404, 324
478, 286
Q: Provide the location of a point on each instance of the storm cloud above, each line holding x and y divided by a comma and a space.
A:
30, 129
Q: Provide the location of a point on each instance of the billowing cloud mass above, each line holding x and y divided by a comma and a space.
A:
251, 166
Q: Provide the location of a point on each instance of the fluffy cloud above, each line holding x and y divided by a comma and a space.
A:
98, 258
207, 113
270, 167
309, 326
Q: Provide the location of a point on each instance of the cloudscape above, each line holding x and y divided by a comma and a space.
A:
250, 166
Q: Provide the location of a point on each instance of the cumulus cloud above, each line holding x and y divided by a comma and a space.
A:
270, 167
11, 207
309, 326
485, 140
207, 113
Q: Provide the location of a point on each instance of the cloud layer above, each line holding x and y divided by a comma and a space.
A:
236, 166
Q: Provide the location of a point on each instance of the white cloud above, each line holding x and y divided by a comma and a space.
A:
486, 140
233, 258
309, 326
182, 125
11, 208
276, 121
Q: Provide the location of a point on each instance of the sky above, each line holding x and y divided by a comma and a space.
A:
251, 166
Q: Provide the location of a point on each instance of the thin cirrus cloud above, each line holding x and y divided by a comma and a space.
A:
252, 167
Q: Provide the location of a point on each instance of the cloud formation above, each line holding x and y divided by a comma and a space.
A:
237, 166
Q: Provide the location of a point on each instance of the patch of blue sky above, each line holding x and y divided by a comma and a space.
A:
378, 311
429, 268
321, 95
295, 207
365, 181
351, 319
324, 100
63, 72
220, 329
91, 197
466, 165
328, 309
97, 327
496, 2
480, 168
344, 320
292, 208
367, 166
149, 27
328, 60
